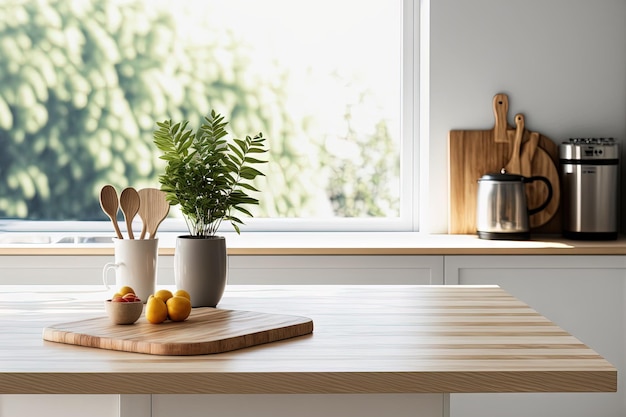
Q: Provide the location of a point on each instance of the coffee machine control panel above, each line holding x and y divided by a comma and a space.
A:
578, 149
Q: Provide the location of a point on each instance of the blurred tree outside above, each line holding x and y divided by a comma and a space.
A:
363, 177
82, 84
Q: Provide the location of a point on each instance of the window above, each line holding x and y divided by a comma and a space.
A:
330, 83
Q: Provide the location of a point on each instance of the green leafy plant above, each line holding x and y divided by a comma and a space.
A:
206, 174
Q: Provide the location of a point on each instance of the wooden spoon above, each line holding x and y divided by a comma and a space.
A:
110, 204
153, 208
143, 211
129, 202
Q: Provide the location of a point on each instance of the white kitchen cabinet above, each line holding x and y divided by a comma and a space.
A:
584, 295
340, 269
243, 269
24, 405
300, 405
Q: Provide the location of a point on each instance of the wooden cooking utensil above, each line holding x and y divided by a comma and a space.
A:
143, 211
153, 209
129, 202
110, 205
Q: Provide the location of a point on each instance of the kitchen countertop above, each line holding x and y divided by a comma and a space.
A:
322, 243
367, 339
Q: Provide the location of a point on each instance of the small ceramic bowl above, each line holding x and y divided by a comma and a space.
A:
123, 313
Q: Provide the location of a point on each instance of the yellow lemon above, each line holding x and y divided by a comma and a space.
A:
156, 310
125, 290
164, 295
183, 293
178, 308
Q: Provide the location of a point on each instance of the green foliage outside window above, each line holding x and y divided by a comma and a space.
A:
82, 84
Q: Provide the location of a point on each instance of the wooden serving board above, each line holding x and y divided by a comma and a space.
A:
474, 153
206, 331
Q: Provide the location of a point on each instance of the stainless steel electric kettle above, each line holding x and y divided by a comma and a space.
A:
501, 207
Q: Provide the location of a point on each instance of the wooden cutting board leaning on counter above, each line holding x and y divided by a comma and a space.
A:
474, 153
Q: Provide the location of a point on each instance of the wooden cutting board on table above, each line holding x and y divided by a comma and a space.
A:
474, 153
206, 331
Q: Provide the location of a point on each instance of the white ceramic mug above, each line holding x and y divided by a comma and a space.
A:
135, 265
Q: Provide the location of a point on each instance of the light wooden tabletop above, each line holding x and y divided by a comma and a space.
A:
367, 339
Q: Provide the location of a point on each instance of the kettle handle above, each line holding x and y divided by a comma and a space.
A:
545, 203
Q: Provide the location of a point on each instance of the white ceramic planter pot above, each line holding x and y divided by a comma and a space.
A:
201, 268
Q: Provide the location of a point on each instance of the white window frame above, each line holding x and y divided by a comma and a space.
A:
413, 168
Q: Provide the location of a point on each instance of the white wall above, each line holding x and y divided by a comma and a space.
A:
561, 62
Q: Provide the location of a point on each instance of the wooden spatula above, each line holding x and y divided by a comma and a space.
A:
153, 209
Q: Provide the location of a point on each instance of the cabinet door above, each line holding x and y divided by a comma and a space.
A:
301, 405
343, 269
584, 295
243, 269
59, 405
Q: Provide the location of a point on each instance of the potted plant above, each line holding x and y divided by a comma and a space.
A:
210, 178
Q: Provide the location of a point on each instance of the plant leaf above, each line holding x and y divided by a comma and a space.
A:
205, 173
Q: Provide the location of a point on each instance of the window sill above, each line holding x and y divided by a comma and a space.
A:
330, 243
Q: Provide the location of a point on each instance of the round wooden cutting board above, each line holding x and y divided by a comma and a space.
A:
536, 192
539, 163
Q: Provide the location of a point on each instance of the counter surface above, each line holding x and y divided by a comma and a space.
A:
367, 339
322, 243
